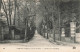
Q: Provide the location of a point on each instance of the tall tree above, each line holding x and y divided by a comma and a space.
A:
5, 10
0, 4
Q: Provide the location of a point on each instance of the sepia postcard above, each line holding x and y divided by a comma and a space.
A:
39, 25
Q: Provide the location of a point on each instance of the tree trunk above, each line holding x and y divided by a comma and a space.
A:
9, 18
25, 30
47, 33
2, 34
44, 30
47, 29
10, 35
18, 17
13, 36
15, 3
0, 4
26, 25
53, 29
54, 34
10, 11
59, 21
